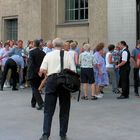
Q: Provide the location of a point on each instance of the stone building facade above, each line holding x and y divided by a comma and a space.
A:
46, 19
108, 21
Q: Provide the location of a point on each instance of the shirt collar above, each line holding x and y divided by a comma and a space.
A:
123, 48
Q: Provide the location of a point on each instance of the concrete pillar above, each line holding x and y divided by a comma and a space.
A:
97, 21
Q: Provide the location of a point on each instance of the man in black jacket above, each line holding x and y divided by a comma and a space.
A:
36, 56
124, 67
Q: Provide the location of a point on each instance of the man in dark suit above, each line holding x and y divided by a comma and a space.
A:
124, 67
36, 56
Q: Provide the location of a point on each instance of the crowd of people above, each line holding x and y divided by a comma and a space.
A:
97, 67
23, 66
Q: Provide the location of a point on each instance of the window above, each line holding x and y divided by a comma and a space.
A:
76, 10
11, 29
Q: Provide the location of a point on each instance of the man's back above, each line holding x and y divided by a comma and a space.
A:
35, 59
51, 62
38, 56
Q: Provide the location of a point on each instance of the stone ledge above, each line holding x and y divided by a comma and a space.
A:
72, 24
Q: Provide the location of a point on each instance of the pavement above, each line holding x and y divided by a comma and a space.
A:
104, 119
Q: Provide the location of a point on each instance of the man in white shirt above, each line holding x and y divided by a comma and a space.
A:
50, 67
124, 67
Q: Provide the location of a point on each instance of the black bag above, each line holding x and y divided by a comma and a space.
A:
67, 78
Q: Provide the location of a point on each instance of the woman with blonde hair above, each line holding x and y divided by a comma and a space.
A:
73, 53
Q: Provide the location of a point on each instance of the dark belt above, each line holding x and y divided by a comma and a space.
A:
54, 75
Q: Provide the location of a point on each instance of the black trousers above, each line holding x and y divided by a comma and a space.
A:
136, 79
0, 74
50, 104
124, 81
36, 96
10, 64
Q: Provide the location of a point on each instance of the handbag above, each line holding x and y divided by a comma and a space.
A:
68, 79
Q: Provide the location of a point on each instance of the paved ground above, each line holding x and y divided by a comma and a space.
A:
104, 119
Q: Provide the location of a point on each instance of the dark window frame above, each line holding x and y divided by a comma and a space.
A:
70, 12
11, 29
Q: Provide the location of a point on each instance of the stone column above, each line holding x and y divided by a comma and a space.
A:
97, 21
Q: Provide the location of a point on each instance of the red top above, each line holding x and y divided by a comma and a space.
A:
139, 56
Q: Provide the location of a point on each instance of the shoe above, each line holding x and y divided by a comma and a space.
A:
14, 89
44, 137
122, 97
94, 98
117, 91
84, 97
102, 92
26, 85
63, 138
99, 95
6, 86
21, 87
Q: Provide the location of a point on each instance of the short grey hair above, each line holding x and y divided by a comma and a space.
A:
86, 47
73, 45
58, 42
49, 42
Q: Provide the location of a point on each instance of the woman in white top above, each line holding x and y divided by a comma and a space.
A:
110, 68
73, 53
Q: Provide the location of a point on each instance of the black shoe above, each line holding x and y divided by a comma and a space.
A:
14, 89
102, 92
122, 97
63, 138
94, 98
84, 97
117, 91
44, 137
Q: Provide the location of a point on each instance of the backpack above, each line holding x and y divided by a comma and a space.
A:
67, 78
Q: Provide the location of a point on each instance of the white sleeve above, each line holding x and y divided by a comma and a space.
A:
44, 64
71, 64
124, 56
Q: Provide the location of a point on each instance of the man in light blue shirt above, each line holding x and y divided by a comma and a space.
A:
13, 63
48, 48
19, 60
18, 50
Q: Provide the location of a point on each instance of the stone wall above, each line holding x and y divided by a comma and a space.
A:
28, 13
46, 19
122, 21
